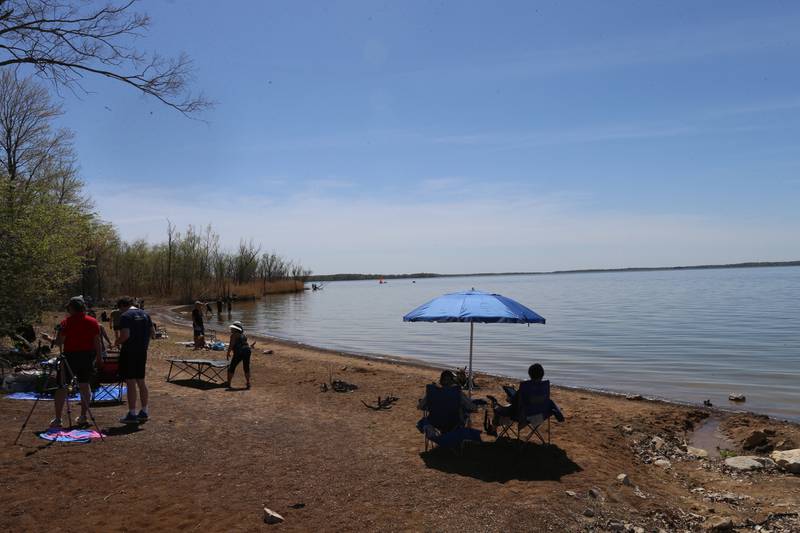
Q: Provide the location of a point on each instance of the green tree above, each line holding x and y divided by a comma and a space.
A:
43, 211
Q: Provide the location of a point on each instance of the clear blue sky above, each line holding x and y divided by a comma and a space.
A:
465, 136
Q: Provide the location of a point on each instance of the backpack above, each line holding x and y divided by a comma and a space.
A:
242, 348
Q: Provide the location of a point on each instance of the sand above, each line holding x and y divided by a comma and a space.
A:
211, 459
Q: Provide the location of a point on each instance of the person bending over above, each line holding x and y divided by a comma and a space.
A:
79, 336
136, 330
241, 353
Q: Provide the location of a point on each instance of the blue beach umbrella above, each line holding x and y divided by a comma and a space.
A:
474, 306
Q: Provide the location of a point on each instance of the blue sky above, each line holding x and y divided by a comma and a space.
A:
465, 136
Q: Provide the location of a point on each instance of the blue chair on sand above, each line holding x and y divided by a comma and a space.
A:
443, 421
534, 407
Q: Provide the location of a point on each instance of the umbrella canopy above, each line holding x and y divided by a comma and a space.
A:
474, 306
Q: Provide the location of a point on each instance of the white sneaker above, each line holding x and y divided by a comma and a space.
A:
81, 421
55, 423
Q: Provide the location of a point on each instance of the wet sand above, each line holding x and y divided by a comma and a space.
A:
211, 459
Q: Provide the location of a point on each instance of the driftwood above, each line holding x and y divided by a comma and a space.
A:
384, 404
338, 385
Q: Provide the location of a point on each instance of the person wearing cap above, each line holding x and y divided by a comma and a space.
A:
136, 330
79, 337
197, 326
241, 353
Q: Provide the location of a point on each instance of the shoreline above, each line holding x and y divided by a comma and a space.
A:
326, 461
173, 315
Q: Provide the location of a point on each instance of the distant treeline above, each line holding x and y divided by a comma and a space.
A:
351, 277
184, 267
54, 245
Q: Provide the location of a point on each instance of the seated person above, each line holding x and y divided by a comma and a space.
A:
536, 373
447, 380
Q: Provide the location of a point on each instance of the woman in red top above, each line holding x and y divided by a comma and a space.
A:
79, 337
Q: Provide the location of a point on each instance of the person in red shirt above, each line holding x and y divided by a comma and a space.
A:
79, 337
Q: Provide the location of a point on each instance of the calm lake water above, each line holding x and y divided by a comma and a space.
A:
680, 335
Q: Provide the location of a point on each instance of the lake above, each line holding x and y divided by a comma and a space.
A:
686, 335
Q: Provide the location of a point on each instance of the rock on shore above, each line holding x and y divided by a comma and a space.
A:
788, 460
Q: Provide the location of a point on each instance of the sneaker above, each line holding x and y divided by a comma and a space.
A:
55, 423
142, 416
81, 421
129, 419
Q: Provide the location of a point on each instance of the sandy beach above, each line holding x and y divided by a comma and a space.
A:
211, 460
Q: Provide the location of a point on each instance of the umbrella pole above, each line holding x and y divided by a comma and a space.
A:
469, 376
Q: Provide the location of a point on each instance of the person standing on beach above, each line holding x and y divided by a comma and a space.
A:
115, 313
219, 308
136, 330
105, 341
79, 336
197, 325
241, 353
229, 301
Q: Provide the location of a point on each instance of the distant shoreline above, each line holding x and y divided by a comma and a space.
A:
420, 275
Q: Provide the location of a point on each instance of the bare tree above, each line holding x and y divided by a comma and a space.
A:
37, 162
171, 235
246, 261
66, 40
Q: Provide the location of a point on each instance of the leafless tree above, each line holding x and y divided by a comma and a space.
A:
171, 236
37, 162
246, 261
64, 41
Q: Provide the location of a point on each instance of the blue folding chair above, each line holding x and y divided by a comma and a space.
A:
534, 407
443, 413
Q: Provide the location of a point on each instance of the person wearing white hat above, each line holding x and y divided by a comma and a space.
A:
241, 352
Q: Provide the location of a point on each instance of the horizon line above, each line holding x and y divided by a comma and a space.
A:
344, 276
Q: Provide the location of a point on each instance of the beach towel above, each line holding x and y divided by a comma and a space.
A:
44, 396
79, 436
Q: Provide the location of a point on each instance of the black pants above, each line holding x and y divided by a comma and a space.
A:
240, 358
81, 364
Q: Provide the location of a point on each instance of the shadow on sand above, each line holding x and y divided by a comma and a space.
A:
197, 384
124, 429
503, 461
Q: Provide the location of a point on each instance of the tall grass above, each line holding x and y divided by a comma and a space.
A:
257, 289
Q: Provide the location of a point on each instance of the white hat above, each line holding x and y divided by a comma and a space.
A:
237, 326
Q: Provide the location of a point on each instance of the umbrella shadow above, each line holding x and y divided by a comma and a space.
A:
503, 461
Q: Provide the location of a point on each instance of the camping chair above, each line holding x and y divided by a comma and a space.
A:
107, 385
442, 422
533, 409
